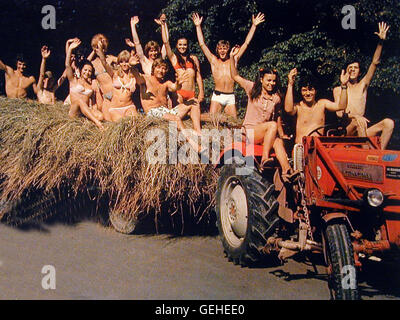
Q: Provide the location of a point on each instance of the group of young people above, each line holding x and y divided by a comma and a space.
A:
102, 87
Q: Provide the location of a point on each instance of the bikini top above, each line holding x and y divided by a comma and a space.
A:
117, 84
81, 90
188, 65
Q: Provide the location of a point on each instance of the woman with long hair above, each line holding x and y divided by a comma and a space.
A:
183, 62
264, 103
82, 89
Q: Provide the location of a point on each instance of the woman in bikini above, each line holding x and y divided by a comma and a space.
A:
187, 64
81, 89
263, 106
124, 84
103, 96
183, 62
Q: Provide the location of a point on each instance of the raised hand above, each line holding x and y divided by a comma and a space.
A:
134, 60
129, 43
292, 76
100, 45
68, 43
235, 50
344, 77
258, 19
134, 20
163, 18
45, 52
197, 20
75, 44
159, 21
383, 29
182, 77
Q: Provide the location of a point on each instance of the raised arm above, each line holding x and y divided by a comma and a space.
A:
9, 71
100, 53
234, 73
70, 74
45, 55
163, 17
136, 41
256, 21
61, 80
91, 55
342, 103
165, 38
289, 102
140, 80
383, 29
68, 43
197, 20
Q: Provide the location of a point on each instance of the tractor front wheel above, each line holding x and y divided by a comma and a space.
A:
342, 274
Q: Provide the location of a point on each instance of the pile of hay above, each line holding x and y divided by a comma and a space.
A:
41, 148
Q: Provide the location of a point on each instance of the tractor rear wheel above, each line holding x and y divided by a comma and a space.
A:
246, 214
342, 274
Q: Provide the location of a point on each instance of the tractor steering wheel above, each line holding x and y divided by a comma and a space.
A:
338, 128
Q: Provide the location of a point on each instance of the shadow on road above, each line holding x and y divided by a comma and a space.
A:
72, 213
380, 278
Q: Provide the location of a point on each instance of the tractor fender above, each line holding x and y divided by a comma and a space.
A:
335, 216
238, 149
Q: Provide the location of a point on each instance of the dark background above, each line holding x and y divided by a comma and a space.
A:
304, 34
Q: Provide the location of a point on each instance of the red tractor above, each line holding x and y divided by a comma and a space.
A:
345, 204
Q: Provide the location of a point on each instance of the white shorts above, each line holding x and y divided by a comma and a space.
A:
224, 99
160, 111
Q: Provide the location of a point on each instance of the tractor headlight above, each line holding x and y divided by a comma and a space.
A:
375, 197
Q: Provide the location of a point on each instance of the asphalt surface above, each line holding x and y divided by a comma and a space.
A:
95, 262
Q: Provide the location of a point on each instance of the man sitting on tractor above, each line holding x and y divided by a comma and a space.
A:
357, 96
311, 112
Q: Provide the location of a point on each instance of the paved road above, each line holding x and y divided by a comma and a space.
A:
94, 262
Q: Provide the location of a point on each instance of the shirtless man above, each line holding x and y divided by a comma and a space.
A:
310, 112
153, 95
17, 83
223, 96
151, 50
357, 97
46, 86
